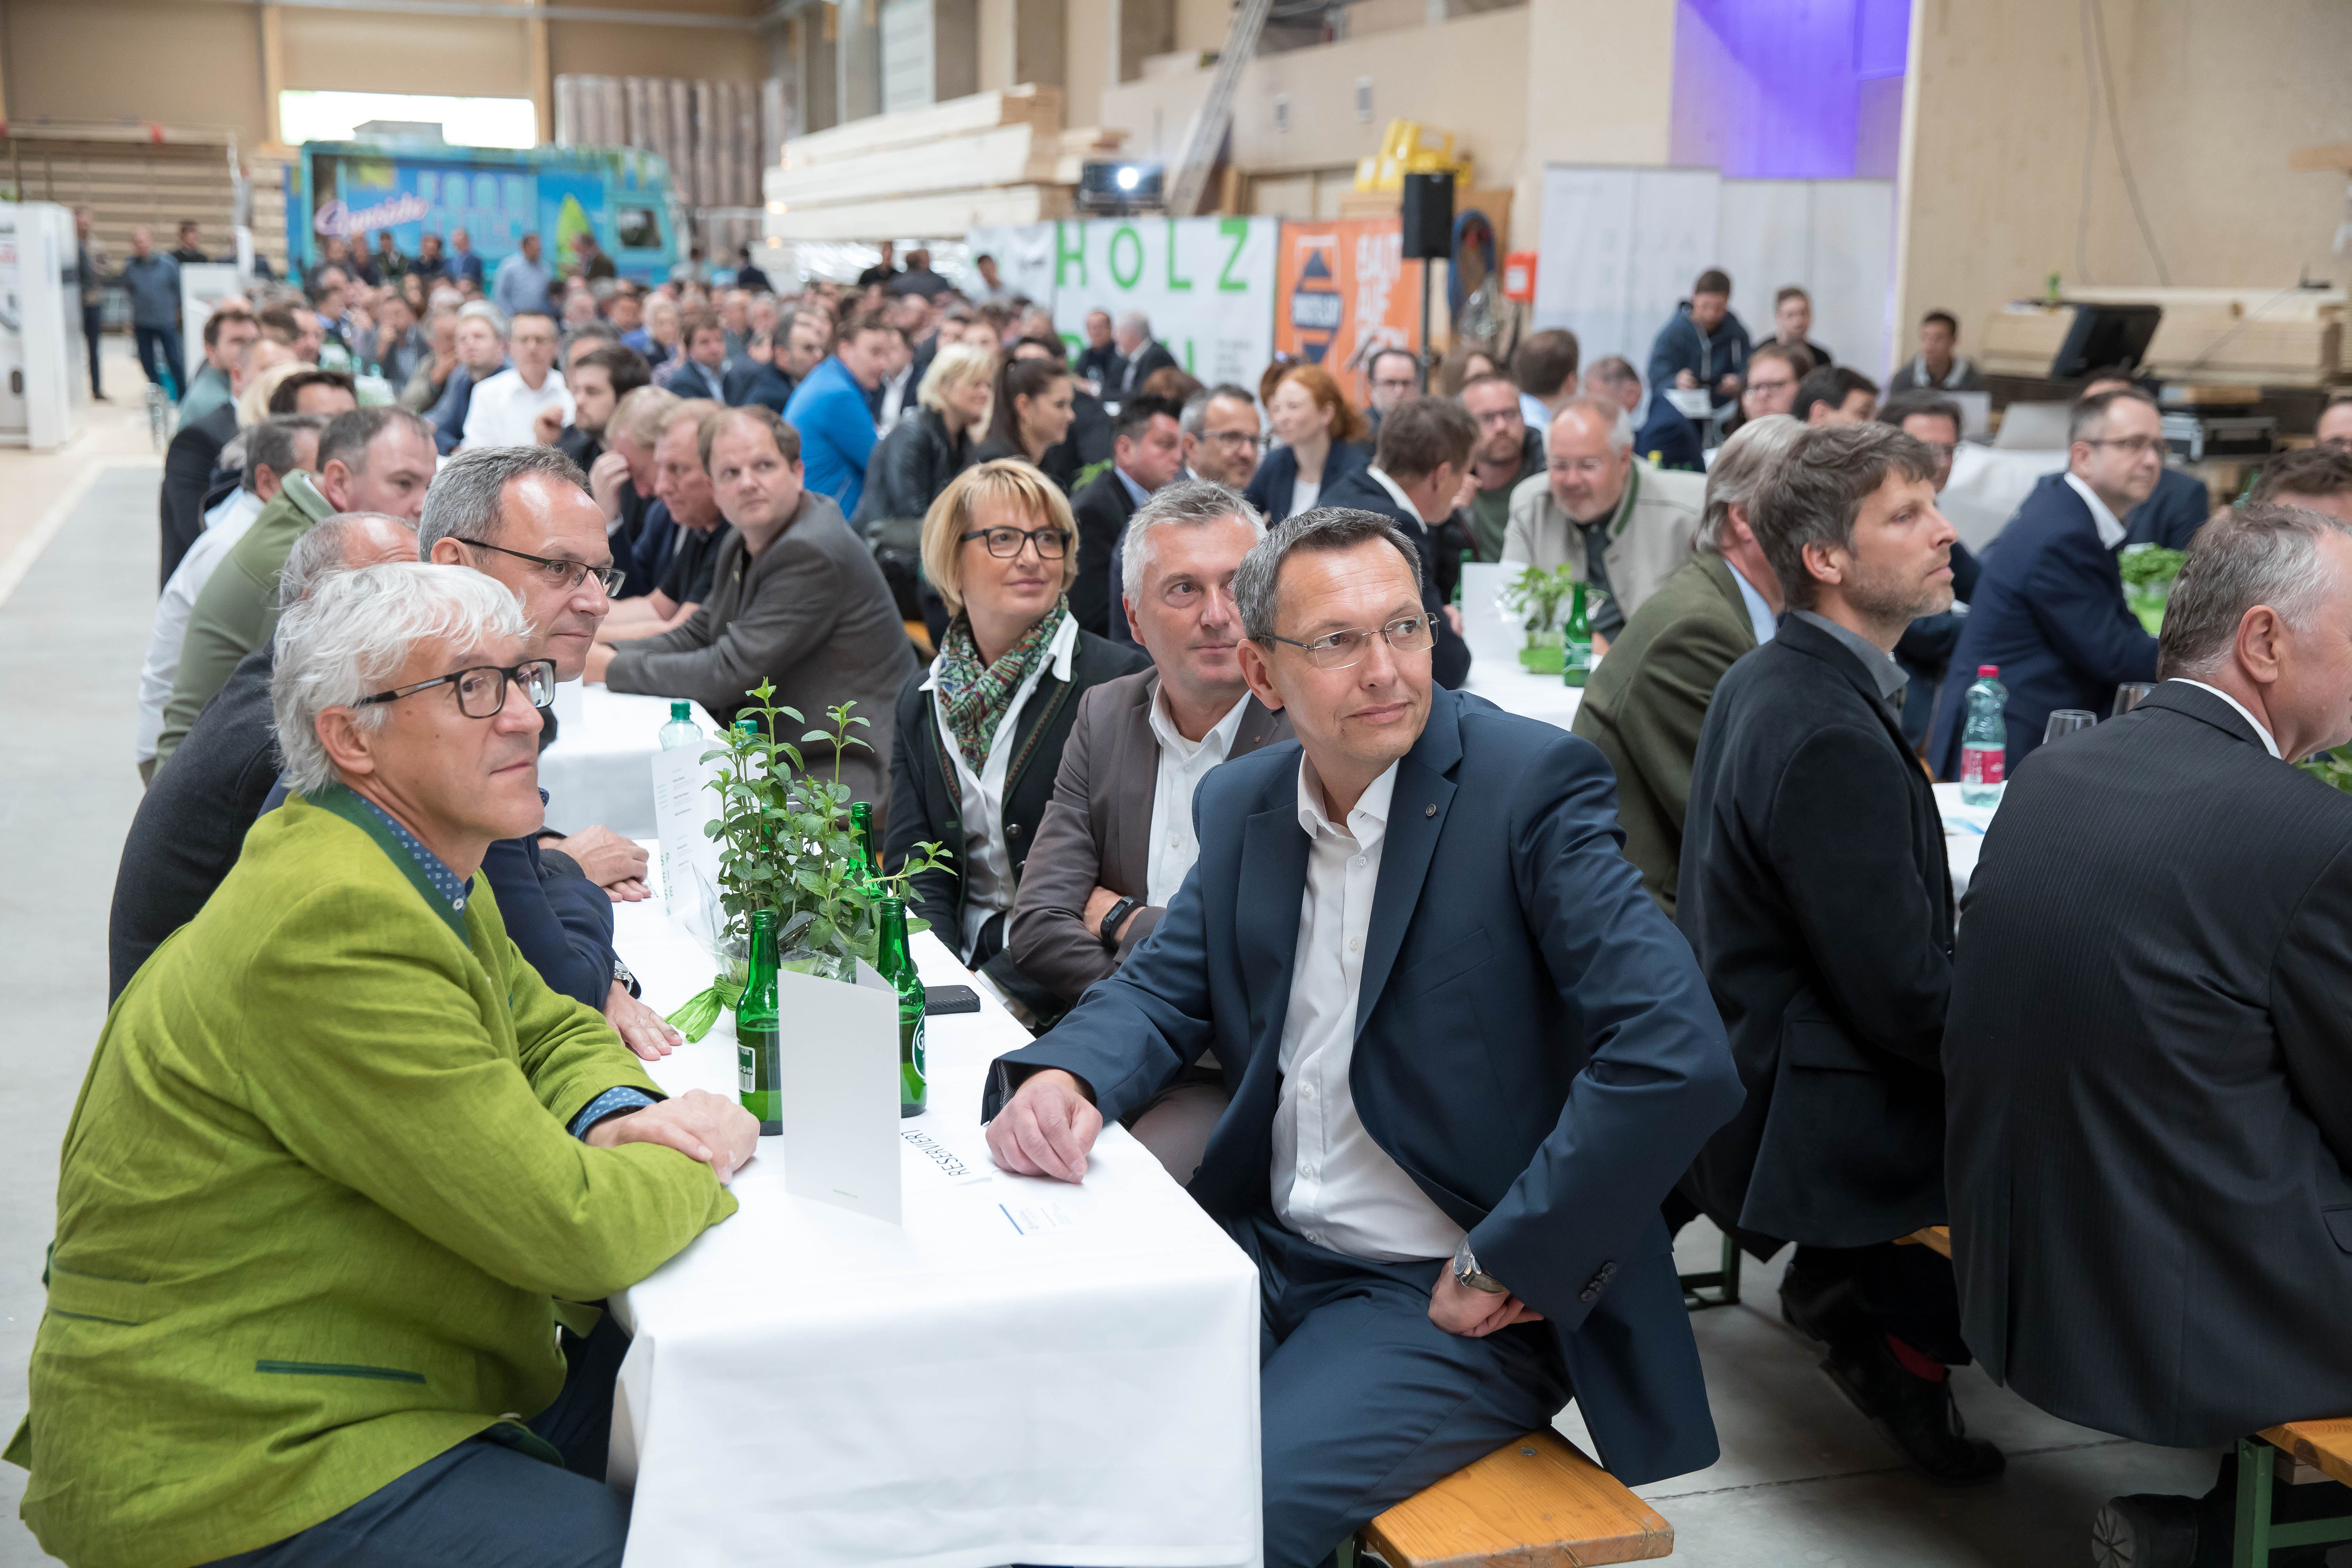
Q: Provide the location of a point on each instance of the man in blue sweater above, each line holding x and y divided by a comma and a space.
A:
830, 411
153, 283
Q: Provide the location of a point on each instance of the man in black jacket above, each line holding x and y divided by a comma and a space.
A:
188, 465
1424, 450
1147, 451
1814, 891
2149, 1054
1140, 354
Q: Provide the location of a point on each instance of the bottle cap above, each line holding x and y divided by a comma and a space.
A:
1986, 671
681, 713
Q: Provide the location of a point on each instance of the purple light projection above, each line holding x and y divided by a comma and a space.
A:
1804, 90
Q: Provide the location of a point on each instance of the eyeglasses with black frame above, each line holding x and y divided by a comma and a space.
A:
1339, 650
1004, 544
569, 574
482, 691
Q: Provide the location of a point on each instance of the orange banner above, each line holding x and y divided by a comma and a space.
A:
1343, 289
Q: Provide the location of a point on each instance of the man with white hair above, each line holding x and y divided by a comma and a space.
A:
1617, 522
339, 1151
2146, 1105
1140, 352
1117, 840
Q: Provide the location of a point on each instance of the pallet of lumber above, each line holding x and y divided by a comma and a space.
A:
946, 214
2301, 344
1007, 156
1037, 107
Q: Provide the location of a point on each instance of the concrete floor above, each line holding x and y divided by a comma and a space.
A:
1803, 1480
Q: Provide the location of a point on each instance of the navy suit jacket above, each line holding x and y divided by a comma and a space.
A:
2050, 610
1668, 439
1277, 476
1535, 1045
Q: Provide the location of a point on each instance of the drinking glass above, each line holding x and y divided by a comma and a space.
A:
2130, 695
2066, 720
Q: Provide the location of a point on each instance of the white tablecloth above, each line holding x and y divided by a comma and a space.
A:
1512, 687
1024, 1371
1963, 830
599, 771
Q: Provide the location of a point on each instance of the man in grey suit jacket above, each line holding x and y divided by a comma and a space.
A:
1118, 838
796, 600
2150, 1059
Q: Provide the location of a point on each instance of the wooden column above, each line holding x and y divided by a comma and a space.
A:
542, 84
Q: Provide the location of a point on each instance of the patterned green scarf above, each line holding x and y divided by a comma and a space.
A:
975, 696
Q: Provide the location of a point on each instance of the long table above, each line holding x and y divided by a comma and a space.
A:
597, 772
1023, 1372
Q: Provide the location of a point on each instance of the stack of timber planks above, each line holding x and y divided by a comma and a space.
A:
2270, 337
991, 158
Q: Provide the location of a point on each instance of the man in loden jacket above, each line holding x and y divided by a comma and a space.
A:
340, 1155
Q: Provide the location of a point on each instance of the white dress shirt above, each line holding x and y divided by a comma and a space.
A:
504, 411
896, 392
2111, 529
987, 869
224, 526
1182, 764
2269, 743
1302, 493
1332, 1184
1396, 493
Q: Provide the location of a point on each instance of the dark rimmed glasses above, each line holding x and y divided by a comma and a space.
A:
1338, 650
482, 691
1004, 544
564, 573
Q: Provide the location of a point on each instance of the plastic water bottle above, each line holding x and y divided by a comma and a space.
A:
681, 730
1984, 745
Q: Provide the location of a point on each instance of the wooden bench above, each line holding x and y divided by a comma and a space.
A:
2324, 1447
1935, 1238
1536, 1502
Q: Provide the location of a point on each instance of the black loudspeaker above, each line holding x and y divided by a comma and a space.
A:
1428, 217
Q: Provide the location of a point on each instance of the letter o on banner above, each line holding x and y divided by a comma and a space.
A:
1126, 277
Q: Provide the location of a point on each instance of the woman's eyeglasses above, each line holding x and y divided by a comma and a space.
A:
1004, 544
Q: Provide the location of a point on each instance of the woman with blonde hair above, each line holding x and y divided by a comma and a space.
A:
913, 464
1323, 436
979, 738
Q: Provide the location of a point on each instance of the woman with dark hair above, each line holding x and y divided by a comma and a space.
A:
1036, 400
978, 740
1323, 436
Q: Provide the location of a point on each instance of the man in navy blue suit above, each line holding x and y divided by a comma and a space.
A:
1460, 1094
2049, 609
2179, 504
1661, 431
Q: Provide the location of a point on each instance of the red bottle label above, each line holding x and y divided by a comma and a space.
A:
1981, 764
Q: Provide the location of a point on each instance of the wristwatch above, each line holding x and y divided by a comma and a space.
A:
1115, 918
628, 982
1468, 1273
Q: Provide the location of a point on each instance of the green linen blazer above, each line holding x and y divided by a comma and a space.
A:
317, 1202
1647, 700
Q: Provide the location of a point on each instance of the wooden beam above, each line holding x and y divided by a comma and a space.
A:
273, 75
542, 78
1008, 155
908, 128
936, 216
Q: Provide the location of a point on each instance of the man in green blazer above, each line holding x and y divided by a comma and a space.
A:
1649, 696
340, 1154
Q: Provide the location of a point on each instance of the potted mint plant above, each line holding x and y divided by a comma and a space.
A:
1538, 595
786, 847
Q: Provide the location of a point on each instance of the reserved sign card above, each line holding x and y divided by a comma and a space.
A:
839, 1058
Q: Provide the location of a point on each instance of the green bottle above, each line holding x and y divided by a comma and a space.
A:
897, 965
758, 1064
861, 825
1576, 641
1467, 557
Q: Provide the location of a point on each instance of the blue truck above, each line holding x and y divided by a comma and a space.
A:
496, 195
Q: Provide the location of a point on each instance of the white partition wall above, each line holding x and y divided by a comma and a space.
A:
1619, 247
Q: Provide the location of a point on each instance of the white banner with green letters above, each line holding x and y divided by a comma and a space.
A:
1206, 283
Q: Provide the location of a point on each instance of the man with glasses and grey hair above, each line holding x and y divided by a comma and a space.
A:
2149, 1112
2049, 608
1222, 435
1648, 699
339, 1153
1468, 1058
1118, 838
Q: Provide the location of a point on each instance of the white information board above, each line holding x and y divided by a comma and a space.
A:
1205, 283
1620, 247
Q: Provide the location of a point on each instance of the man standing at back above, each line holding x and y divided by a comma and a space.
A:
1814, 891
1661, 433
1704, 345
370, 459
1468, 1058
830, 411
2151, 1107
522, 281
2049, 609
